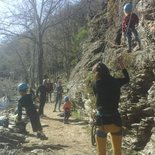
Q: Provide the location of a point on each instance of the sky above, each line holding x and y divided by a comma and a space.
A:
5, 5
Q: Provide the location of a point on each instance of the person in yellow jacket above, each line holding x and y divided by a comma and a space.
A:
107, 91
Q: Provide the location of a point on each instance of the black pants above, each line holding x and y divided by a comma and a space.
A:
118, 37
35, 120
67, 114
109, 119
41, 106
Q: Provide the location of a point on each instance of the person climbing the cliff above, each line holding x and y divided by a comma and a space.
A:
59, 92
67, 109
107, 92
129, 24
41, 94
27, 102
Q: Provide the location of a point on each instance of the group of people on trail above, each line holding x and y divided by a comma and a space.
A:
106, 89
42, 95
107, 92
27, 99
128, 27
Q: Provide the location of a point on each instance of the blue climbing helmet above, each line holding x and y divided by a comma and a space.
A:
22, 87
128, 7
66, 98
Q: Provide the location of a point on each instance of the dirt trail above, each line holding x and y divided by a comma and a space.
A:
63, 139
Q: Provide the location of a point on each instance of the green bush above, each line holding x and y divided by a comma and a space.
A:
81, 36
129, 61
88, 91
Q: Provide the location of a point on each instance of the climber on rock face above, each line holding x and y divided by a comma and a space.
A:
127, 28
107, 92
129, 24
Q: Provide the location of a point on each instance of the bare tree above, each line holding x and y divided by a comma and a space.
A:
51, 26
31, 20
60, 38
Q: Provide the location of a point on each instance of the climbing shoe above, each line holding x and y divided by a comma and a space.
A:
66, 121
42, 136
129, 51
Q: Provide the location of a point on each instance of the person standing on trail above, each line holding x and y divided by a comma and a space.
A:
41, 93
59, 92
26, 101
107, 92
129, 23
46, 81
49, 89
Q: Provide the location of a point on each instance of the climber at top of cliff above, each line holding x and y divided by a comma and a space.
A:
128, 27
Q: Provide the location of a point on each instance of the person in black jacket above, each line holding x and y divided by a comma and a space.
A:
41, 94
26, 101
107, 91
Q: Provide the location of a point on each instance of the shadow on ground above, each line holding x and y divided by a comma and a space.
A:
78, 122
28, 148
71, 121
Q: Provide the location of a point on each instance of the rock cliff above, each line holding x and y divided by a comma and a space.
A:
138, 98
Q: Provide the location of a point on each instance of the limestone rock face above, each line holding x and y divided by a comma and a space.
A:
149, 148
147, 9
91, 55
137, 104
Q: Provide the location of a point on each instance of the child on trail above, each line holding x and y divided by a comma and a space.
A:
67, 109
129, 23
27, 102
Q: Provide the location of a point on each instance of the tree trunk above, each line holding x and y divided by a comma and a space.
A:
33, 64
40, 60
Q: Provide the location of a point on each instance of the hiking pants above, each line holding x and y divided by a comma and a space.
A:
67, 114
35, 120
129, 37
118, 37
58, 101
116, 138
41, 106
